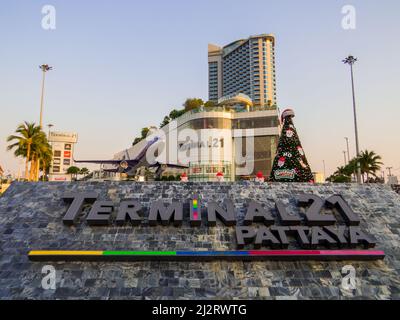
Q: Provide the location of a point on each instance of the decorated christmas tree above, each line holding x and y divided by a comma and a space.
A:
290, 163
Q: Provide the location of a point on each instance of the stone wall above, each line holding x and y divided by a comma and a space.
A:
396, 187
31, 218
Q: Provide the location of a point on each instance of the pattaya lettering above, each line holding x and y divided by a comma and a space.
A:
310, 227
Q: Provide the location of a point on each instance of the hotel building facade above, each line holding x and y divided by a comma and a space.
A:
244, 66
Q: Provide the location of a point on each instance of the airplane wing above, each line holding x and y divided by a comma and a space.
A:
168, 165
99, 161
162, 166
111, 170
122, 165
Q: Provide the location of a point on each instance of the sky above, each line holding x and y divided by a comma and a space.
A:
122, 65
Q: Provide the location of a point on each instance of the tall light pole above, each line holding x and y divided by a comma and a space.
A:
348, 151
44, 68
350, 60
344, 156
323, 162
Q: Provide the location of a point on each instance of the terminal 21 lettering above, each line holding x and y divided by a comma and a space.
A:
311, 227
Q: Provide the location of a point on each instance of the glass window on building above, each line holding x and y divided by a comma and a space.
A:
208, 172
210, 123
264, 152
250, 123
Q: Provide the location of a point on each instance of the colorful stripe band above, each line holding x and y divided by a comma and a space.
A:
207, 255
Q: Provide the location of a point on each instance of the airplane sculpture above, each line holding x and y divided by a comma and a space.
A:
130, 166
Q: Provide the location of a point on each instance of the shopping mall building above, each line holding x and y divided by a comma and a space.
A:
235, 138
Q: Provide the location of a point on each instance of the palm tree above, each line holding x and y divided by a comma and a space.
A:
46, 164
27, 134
341, 171
44, 154
40, 150
73, 171
352, 166
370, 163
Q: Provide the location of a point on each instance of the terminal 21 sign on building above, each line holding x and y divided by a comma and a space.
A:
62, 144
316, 229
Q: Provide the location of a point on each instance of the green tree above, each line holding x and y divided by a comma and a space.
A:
73, 171
339, 178
137, 139
176, 113
165, 121
290, 163
27, 134
341, 171
193, 103
370, 163
143, 135
144, 132
42, 152
172, 115
341, 175
210, 104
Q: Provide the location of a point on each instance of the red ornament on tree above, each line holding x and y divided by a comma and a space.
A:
289, 133
281, 161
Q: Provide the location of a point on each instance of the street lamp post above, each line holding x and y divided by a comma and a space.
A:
344, 156
44, 68
348, 150
350, 60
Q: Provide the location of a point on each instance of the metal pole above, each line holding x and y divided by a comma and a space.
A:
41, 99
344, 155
348, 151
323, 161
44, 68
355, 125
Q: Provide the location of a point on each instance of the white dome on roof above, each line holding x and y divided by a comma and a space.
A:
237, 98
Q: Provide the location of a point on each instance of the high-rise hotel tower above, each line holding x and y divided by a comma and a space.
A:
243, 66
